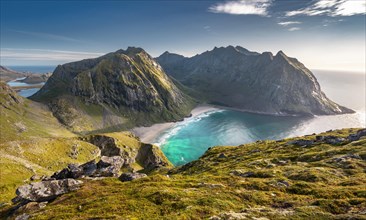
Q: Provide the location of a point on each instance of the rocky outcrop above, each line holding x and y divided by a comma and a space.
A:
128, 85
106, 167
151, 157
147, 155
263, 83
131, 176
328, 139
46, 190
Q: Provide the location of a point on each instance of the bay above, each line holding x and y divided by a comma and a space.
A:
188, 140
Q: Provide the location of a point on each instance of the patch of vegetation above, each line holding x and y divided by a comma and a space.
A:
270, 179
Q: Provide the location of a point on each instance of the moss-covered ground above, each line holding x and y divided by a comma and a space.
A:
265, 179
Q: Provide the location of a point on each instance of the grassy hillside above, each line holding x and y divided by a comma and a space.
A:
265, 179
33, 142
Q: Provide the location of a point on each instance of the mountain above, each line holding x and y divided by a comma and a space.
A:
118, 90
8, 74
313, 177
264, 83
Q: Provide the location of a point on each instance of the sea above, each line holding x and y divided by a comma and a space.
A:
29, 69
188, 140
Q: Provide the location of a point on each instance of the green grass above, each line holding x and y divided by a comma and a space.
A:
316, 186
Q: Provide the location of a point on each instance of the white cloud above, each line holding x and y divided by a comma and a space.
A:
349, 8
242, 7
287, 23
332, 8
45, 55
294, 29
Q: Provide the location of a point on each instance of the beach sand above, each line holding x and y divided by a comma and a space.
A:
148, 134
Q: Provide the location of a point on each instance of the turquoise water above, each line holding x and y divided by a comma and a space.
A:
188, 140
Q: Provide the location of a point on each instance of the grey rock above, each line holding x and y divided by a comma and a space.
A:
333, 140
89, 168
42, 205
242, 174
222, 155
357, 136
23, 216
75, 171
346, 157
35, 177
46, 190
283, 183
301, 142
131, 176
107, 172
115, 161
62, 174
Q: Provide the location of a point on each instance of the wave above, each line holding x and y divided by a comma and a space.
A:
162, 139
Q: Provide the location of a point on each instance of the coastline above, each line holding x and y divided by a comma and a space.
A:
148, 134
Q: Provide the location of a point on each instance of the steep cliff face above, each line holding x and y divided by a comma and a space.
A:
266, 83
123, 89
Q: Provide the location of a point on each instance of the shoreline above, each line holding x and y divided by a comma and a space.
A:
148, 134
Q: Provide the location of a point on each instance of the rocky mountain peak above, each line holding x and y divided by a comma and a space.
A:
117, 87
236, 77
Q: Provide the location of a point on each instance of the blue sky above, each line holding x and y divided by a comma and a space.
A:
323, 34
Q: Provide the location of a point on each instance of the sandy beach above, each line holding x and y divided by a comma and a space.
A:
148, 134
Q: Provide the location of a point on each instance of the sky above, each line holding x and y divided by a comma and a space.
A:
322, 34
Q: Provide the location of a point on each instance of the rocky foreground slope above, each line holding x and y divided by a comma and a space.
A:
33, 145
118, 90
312, 177
265, 83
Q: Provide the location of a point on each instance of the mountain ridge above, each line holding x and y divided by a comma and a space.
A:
266, 83
123, 88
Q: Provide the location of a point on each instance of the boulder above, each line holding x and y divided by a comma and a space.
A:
222, 155
109, 166
89, 168
107, 172
75, 171
23, 216
115, 161
242, 174
46, 190
131, 176
334, 140
357, 136
301, 142
62, 174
